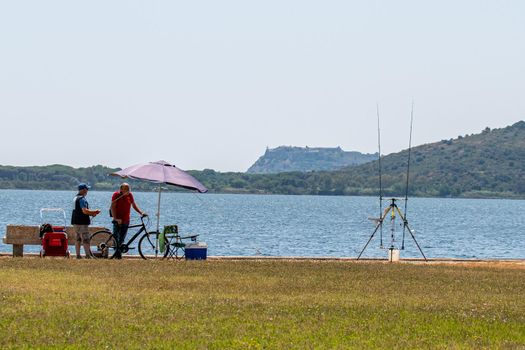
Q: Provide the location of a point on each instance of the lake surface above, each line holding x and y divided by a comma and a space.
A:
274, 225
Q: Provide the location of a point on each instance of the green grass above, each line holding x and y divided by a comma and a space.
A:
56, 303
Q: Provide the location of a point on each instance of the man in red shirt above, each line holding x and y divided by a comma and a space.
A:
121, 203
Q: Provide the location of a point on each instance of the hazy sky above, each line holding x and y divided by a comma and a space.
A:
210, 84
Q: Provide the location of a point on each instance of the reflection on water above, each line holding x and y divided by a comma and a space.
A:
274, 225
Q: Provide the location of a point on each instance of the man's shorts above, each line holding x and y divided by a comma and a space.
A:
82, 232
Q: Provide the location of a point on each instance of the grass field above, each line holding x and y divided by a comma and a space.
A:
56, 303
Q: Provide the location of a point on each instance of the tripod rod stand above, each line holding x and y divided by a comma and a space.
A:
392, 209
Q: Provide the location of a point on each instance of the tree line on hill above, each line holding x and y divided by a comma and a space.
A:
489, 164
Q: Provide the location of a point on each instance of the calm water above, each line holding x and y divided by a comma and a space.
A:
250, 225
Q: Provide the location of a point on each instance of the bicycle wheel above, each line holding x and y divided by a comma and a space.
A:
149, 246
102, 245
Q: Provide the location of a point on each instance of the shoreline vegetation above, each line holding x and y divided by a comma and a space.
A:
259, 305
468, 195
486, 165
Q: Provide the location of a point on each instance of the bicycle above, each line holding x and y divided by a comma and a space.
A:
103, 244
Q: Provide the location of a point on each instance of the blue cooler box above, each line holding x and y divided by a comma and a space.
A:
196, 251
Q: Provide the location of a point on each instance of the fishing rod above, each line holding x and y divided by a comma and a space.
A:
380, 182
393, 209
408, 175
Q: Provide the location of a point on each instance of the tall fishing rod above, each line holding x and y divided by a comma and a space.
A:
408, 175
393, 208
380, 181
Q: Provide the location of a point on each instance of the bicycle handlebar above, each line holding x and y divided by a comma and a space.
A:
142, 217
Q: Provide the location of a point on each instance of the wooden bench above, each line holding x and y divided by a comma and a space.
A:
19, 236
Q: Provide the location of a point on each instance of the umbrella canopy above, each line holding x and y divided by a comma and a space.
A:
162, 172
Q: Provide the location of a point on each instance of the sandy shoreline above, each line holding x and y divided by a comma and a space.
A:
499, 263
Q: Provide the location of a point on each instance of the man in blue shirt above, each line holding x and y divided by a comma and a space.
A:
80, 219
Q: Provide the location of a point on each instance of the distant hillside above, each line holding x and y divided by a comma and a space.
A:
287, 159
489, 164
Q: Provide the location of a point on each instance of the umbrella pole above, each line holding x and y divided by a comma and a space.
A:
158, 223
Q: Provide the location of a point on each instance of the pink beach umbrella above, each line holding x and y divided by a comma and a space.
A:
162, 172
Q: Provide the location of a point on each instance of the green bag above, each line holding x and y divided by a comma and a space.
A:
162, 242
